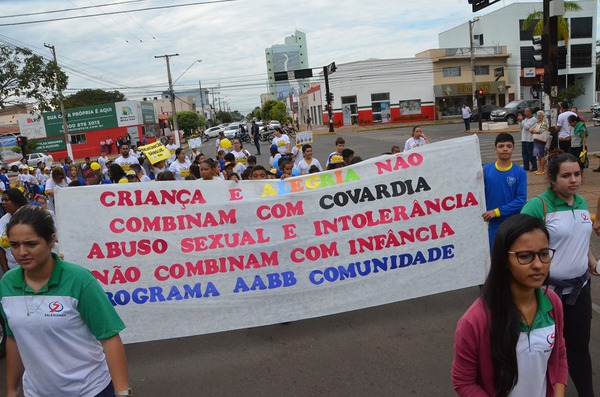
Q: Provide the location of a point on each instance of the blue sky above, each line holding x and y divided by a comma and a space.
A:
117, 51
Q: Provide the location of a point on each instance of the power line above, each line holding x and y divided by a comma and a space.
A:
68, 9
118, 12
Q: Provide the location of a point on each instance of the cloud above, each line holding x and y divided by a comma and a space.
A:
117, 52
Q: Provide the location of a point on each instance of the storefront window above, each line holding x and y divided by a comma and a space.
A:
350, 110
380, 107
451, 106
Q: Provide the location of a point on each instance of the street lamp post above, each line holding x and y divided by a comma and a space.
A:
172, 92
172, 97
472, 50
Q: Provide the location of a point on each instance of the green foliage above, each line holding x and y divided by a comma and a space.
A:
224, 117
254, 114
265, 111
570, 93
89, 97
278, 112
536, 19
188, 121
236, 115
25, 75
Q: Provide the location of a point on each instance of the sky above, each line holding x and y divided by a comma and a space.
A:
117, 51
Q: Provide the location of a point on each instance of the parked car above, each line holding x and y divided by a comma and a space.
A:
511, 111
485, 112
32, 160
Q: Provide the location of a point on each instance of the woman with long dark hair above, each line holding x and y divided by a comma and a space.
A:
510, 341
62, 331
568, 221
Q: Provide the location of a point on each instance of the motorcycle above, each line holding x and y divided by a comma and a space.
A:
596, 111
244, 137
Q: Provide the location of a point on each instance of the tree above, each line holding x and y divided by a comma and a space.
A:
278, 112
187, 120
89, 97
536, 19
265, 111
254, 114
569, 93
25, 75
224, 117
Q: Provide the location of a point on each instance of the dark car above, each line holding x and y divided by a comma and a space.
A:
511, 111
485, 112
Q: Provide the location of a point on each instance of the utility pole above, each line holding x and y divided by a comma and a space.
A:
172, 96
472, 50
201, 101
62, 109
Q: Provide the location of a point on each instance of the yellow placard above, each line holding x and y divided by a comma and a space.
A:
155, 152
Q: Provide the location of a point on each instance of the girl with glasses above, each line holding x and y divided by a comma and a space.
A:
510, 341
569, 224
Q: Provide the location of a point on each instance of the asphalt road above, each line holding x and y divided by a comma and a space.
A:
401, 349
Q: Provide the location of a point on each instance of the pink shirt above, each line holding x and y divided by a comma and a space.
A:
472, 369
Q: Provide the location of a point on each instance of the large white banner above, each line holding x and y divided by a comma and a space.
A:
181, 258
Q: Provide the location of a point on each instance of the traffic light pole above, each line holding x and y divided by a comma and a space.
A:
328, 98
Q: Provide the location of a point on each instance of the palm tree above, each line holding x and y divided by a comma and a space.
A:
536, 19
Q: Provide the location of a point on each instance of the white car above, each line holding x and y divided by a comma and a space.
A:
213, 132
32, 160
274, 124
232, 130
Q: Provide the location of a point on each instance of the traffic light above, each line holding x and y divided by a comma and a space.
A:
330, 97
540, 50
22, 141
329, 107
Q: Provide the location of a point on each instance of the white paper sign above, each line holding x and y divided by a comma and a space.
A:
194, 257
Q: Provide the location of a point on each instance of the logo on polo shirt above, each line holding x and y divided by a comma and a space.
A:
585, 218
550, 339
54, 309
511, 180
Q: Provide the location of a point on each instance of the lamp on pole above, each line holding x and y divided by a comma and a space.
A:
188, 68
472, 51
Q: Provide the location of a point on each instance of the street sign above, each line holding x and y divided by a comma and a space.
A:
293, 74
481, 4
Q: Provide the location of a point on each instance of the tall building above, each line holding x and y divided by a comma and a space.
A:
293, 55
503, 27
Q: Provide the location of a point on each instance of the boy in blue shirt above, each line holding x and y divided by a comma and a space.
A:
505, 186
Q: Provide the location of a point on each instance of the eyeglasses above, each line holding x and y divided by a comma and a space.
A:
526, 257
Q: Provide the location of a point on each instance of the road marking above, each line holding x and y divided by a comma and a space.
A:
596, 308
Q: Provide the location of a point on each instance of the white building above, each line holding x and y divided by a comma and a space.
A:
577, 62
380, 91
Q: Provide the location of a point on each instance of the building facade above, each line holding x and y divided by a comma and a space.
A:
88, 125
380, 91
293, 55
453, 78
577, 60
